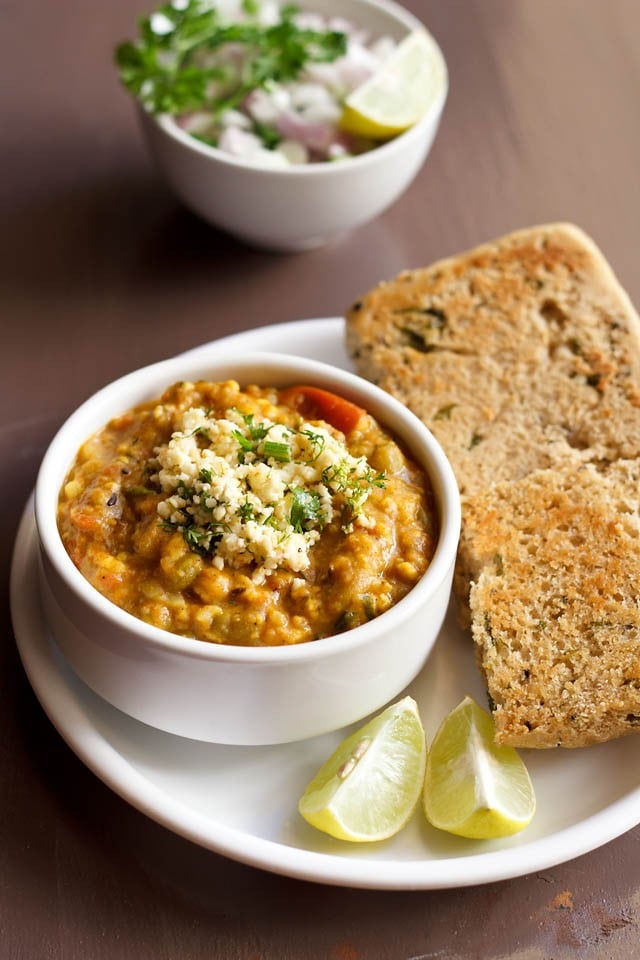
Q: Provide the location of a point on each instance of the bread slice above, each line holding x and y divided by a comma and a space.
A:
523, 358
554, 563
519, 355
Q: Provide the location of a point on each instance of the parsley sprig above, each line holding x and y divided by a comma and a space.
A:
169, 70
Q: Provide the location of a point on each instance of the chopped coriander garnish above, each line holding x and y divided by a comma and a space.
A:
344, 478
270, 137
257, 431
203, 138
168, 68
258, 492
246, 511
317, 443
202, 540
245, 443
194, 537
305, 509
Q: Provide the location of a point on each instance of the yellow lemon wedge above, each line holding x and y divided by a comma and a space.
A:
399, 93
474, 788
370, 786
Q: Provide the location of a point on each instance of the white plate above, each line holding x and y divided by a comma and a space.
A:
241, 801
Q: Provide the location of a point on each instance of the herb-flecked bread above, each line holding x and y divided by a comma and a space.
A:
521, 354
554, 565
523, 358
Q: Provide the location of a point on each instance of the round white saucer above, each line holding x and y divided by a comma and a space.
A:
241, 801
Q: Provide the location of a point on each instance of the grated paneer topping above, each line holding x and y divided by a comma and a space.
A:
243, 491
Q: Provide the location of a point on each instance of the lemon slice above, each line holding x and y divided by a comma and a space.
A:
399, 93
370, 786
474, 788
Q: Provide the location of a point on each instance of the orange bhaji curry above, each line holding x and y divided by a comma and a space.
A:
255, 516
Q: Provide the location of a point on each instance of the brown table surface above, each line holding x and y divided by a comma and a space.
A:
101, 271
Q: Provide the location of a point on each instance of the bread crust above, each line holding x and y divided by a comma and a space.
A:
523, 358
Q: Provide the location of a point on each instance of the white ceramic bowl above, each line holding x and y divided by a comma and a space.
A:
227, 694
302, 206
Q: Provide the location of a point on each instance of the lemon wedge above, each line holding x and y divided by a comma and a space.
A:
370, 786
399, 93
474, 788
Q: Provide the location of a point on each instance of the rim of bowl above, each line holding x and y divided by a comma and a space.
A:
68, 440
167, 123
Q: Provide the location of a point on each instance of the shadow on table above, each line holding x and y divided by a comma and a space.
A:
120, 232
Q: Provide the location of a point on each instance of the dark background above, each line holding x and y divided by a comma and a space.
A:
101, 271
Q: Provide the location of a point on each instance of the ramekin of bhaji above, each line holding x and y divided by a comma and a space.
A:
245, 551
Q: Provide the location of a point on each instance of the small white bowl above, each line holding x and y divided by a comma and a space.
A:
302, 206
235, 694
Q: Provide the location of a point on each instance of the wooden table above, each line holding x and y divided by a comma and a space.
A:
101, 271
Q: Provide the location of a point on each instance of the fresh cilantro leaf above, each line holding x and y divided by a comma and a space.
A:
317, 442
270, 137
201, 432
245, 444
245, 511
259, 431
305, 510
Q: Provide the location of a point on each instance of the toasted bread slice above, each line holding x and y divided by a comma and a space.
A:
554, 563
523, 357
521, 354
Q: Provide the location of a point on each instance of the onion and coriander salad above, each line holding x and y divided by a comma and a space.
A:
268, 86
